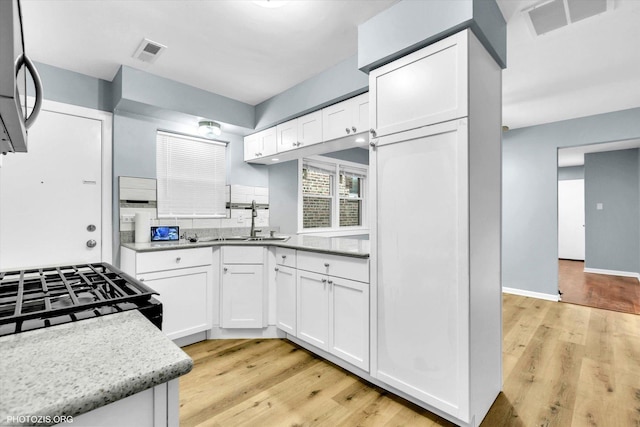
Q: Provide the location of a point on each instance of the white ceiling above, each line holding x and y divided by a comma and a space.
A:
249, 53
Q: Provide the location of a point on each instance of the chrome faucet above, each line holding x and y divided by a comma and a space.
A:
254, 214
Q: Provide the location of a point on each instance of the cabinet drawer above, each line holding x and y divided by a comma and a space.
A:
171, 260
286, 256
242, 255
334, 265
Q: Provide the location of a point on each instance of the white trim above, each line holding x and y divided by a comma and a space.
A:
612, 272
107, 163
531, 294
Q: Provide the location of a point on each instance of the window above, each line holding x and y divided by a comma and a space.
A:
191, 176
332, 193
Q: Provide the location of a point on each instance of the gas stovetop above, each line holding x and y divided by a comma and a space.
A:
37, 298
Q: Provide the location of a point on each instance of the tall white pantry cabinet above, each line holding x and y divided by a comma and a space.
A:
435, 259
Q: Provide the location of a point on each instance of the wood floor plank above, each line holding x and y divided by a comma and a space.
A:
563, 365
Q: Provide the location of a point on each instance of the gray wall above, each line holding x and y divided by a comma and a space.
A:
410, 25
612, 234
69, 87
283, 188
530, 193
570, 172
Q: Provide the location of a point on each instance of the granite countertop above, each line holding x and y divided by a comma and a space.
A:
75, 367
330, 245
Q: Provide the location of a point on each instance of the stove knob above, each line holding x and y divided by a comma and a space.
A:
91, 243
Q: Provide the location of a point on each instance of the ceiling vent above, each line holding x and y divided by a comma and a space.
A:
149, 51
550, 15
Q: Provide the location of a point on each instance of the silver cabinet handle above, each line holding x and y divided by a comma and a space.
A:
331, 282
372, 144
284, 257
178, 259
326, 264
91, 228
353, 128
324, 280
91, 243
348, 130
276, 269
141, 279
225, 269
373, 132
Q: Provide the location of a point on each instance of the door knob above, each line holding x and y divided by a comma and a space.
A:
91, 227
91, 243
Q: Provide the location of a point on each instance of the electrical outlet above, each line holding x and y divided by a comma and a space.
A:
127, 218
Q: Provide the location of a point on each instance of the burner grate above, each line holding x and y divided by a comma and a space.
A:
57, 291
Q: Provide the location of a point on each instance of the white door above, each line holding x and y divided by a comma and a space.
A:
313, 309
53, 194
571, 219
242, 296
349, 321
286, 299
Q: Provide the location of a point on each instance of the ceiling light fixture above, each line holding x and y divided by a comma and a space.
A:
209, 129
270, 4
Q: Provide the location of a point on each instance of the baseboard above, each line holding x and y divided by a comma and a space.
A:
612, 272
222, 333
530, 294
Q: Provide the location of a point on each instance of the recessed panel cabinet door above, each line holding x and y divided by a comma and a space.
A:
349, 321
287, 135
313, 309
184, 294
426, 87
242, 296
422, 263
286, 299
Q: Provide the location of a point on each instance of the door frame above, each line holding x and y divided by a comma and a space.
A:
106, 119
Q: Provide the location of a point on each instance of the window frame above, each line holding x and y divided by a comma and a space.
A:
335, 229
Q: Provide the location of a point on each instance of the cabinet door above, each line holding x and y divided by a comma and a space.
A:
349, 321
310, 128
426, 87
336, 120
185, 296
286, 299
360, 113
242, 299
422, 272
313, 309
268, 142
287, 135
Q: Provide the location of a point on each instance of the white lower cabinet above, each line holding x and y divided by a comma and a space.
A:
184, 280
243, 295
333, 312
286, 299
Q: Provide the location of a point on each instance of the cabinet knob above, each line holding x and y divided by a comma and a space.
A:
373, 132
326, 264
225, 269
331, 282
353, 128
348, 130
141, 279
372, 144
178, 259
276, 269
284, 257
324, 280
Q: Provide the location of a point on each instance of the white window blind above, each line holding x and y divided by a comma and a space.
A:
191, 176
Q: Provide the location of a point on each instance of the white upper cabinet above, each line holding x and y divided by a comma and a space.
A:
303, 131
426, 87
346, 118
260, 144
310, 128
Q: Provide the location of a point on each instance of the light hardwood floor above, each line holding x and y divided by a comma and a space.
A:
563, 365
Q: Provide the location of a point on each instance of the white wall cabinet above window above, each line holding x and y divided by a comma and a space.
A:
346, 118
308, 135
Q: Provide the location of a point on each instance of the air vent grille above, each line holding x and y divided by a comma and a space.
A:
149, 51
550, 15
